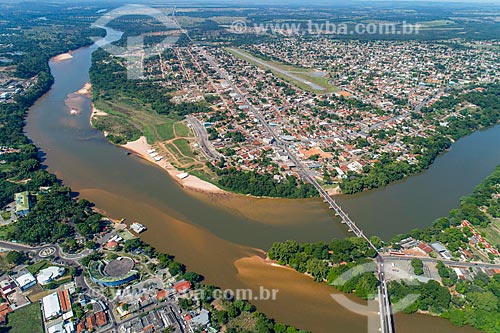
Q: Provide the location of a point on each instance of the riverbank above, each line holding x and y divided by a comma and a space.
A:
141, 147
62, 57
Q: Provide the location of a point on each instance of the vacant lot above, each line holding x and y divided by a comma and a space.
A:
27, 319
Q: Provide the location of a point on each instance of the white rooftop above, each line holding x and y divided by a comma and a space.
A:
49, 274
25, 280
51, 307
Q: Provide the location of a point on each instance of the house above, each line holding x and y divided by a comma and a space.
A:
161, 295
61, 327
201, 320
7, 286
111, 245
25, 281
182, 287
441, 250
424, 247
90, 322
64, 300
5, 309
80, 327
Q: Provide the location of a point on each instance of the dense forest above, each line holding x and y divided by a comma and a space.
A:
56, 216
387, 170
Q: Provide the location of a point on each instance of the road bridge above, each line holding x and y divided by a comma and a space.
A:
386, 318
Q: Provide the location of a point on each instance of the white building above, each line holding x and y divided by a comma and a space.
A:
51, 307
49, 274
25, 281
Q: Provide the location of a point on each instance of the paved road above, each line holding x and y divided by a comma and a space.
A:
201, 134
452, 263
386, 318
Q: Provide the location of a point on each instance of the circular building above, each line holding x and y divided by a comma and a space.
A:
114, 273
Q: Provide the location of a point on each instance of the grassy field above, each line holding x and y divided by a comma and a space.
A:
492, 232
171, 137
34, 268
181, 130
303, 73
26, 320
183, 146
6, 215
166, 131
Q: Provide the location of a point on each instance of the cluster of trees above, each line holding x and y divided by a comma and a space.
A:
232, 308
474, 303
55, 217
418, 266
264, 185
56, 214
240, 316
329, 261
109, 81
387, 170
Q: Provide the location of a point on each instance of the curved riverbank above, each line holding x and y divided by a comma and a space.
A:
222, 243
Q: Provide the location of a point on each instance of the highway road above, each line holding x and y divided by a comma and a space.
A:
201, 134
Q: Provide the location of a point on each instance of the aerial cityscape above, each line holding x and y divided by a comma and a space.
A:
282, 167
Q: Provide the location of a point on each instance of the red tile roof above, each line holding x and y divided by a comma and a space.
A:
182, 286
90, 322
101, 319
64, 300
161, 295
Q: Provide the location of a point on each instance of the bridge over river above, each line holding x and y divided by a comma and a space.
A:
386, 318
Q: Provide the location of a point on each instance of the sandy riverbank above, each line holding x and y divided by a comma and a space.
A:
141, 147
62, 57
86, 90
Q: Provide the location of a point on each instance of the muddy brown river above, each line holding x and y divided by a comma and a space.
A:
223, 237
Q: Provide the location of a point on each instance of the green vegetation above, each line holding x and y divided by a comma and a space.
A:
233, 310
26, 319
38, 266
133, 105
166, 131
181, 129
387, 170
264, 184
418, 266
6, 215
184, 148
56, 214
462, 302
328, 261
